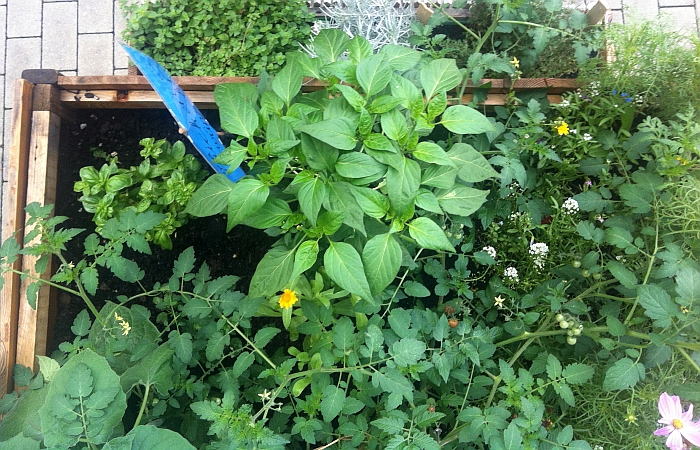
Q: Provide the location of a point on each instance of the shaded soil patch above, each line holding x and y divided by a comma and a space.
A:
235, 253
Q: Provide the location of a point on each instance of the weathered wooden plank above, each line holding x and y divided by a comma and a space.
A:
80, 84
47, 97
13, 221
33, 324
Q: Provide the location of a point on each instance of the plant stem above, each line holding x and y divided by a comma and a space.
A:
143, 406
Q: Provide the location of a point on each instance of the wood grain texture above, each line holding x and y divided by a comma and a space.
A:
13, 221
33, 324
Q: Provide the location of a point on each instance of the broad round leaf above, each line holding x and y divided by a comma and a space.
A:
344, 266
382, 259
429, 235
211, 197
462, 119
246, 197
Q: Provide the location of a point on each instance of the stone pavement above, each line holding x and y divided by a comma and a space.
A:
80, 37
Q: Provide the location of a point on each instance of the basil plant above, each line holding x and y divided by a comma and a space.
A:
347, 176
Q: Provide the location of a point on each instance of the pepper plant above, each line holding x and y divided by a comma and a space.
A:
349, 173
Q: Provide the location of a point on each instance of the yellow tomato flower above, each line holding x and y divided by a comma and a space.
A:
287, 299
563, 128
515, 62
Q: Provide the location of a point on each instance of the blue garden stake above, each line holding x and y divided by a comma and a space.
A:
191, 121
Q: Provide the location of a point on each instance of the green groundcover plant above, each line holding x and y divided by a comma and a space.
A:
442, 279
217, 38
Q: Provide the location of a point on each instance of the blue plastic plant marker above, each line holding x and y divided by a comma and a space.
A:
191, 121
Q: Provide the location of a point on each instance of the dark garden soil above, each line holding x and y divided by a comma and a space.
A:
235, 253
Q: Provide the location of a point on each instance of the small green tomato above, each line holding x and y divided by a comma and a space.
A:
576, 264
559, 317
585, 273
597, 276
577, 331
571, 340
564, 324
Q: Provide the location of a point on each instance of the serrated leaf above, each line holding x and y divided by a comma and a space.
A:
657, 305
390, 425
415, 289
512, 437
196, 308
81, 324
615, 327
624, 374
577, 373
344, 266
48, 367
625, 276
243, 362
182, 344
407, 351
688, 285
264, 336
429, 235
216, 344
332, 401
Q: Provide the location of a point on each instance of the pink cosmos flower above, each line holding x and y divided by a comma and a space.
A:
680, 427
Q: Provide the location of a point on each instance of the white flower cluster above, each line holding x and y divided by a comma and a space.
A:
587, 137
598, 447
511, 273
564, 103
490, 251
593, 89
570, 206
538, 251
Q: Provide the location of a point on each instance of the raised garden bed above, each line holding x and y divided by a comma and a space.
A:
43, 101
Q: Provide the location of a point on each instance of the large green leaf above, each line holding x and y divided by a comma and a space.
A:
358, 49
23, 417
288, 81
319, 155
272, 214
310, 67
330, 43
211, 198
311, 195
429, 235
439, 75
273, 272
359, 165
246, 197
237, 114
442, 177
84, 401
399, 57
402, 185
432, 153
403, 89
338, 132
462, 119
153, 370
657, 305
305, 257
472, 166
373, 203
624, 374
382, 260
373, 74
148, 437
344, 266
461, 200
232, 156
354, 98
394, 125
340, 199
332, 401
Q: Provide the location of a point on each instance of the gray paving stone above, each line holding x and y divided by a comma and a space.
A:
683, 18
121, 61
95, 54
23, 18
69, 73
3, 23
617, 16
121, 71
614, 4
95, 16
637, 10
6, 142
22, 53
59, 49
663, 3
